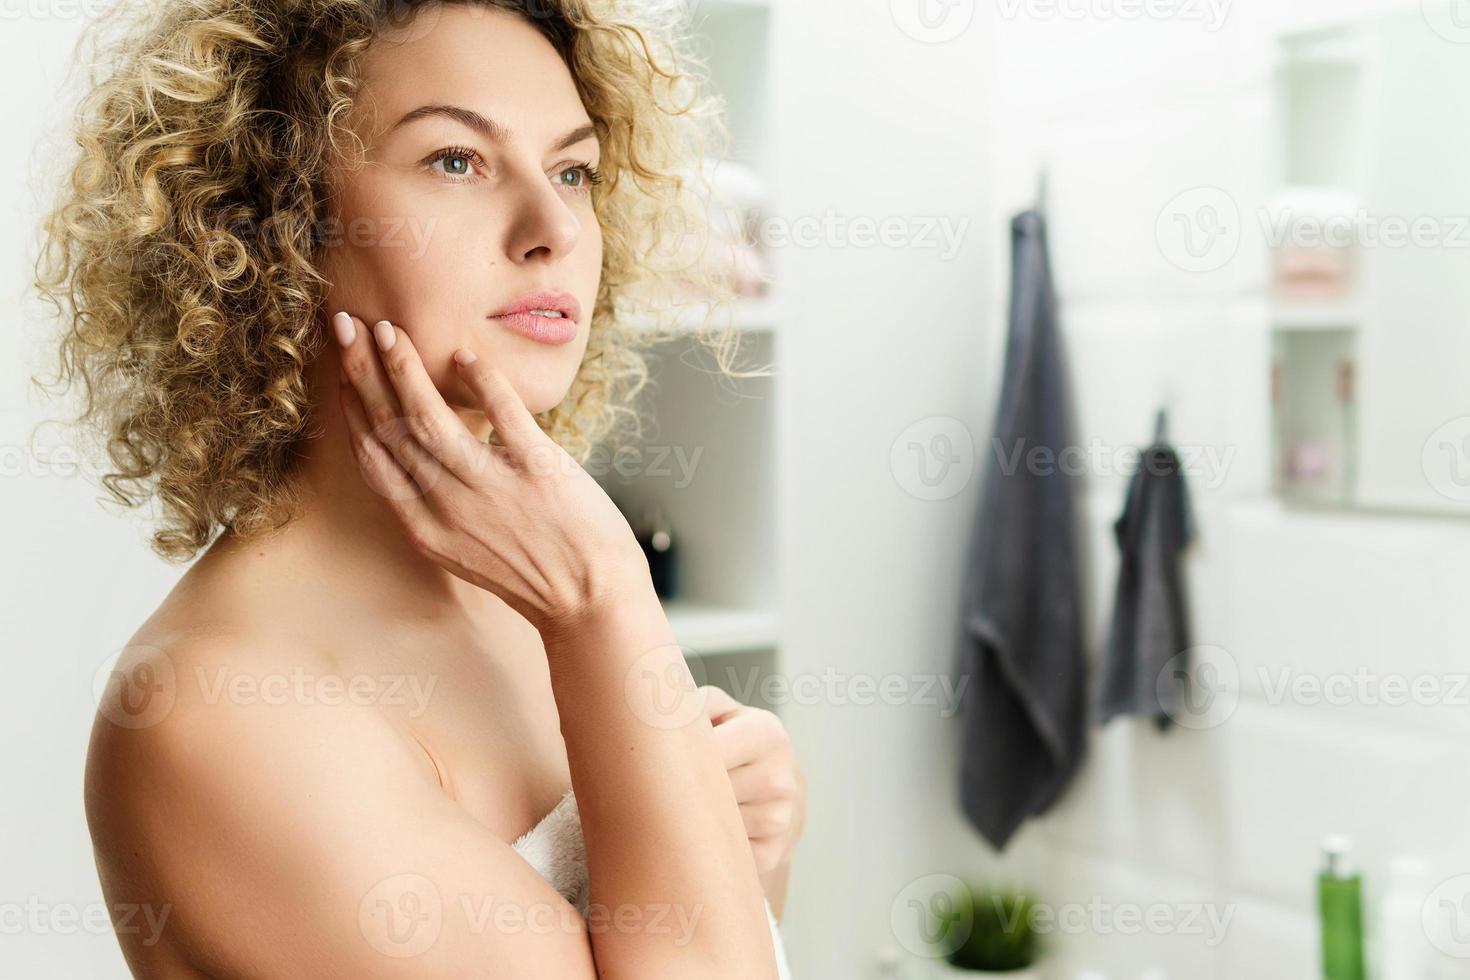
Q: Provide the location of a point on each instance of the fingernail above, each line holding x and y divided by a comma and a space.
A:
342, 323
383, 330
465, 356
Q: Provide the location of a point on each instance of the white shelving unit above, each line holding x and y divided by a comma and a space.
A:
705, 630
1326, 124
1316, 316
1365, 379
709, 442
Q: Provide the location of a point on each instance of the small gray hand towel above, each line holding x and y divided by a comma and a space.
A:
1021, 645
1150, 624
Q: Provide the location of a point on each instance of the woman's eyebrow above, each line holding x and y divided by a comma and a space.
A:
489, 128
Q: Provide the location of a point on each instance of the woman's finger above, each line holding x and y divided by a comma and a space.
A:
766, 820
379, 466
718, 703
745, 736
501, 404
401, 438
426, 417
365, 373
761, 782
737, 744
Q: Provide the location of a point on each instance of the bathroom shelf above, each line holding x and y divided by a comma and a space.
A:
704, 465
1326, 121
1316, 316
704, 629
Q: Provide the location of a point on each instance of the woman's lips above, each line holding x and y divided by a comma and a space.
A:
544, 329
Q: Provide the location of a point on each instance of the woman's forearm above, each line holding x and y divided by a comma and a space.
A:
666, 849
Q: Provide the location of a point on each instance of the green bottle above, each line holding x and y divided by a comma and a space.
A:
1340, 906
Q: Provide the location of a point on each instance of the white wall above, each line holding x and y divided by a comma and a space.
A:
75, 577
874, 124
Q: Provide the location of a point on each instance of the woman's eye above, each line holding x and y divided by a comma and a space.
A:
586, 176
458, 162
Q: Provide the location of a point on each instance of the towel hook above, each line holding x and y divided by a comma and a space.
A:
1161, 416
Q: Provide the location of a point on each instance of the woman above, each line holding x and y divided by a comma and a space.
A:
344, 743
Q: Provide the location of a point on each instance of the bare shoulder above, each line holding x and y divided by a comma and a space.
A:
199, 712
237, 790
199, 746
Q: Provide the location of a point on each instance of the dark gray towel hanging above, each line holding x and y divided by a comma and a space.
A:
1021, 644
1150, 624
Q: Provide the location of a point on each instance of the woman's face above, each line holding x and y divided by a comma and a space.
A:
473, 194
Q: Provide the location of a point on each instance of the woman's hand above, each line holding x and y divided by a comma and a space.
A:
768, 782
522, 520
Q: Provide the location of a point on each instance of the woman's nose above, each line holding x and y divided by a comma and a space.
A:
542, 223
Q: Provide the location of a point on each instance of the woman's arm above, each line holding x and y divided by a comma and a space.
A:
523, 520
769, 785
659, 816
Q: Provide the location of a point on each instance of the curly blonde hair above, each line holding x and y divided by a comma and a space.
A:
182, 254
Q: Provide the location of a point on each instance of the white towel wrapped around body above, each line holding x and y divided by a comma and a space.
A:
555, 849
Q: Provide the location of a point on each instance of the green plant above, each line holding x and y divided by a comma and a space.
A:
1001, 933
